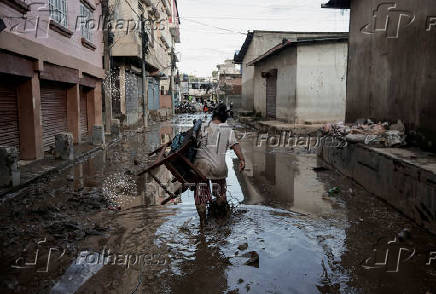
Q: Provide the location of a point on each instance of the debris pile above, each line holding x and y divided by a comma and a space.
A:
368, 132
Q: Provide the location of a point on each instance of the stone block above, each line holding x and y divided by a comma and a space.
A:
64, 147
98, 135
9, 173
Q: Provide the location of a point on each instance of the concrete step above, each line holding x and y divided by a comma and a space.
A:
403, 177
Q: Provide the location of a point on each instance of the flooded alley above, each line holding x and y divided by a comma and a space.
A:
297, 226
217, 147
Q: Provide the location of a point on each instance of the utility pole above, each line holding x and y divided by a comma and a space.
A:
173, 65
144, 37
107, 53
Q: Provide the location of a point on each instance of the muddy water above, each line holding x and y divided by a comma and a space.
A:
307, 240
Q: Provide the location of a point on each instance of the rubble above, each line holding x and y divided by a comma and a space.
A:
381, 134
253, 259
243, 247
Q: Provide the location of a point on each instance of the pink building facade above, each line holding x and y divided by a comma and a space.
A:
51, 72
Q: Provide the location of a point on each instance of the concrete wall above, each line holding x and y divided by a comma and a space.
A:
286, 65
390, 173
262, 42
247, 96
311, 83
393, 76
321, 82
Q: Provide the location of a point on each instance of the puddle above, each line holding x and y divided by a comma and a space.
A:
85, 266
287, 233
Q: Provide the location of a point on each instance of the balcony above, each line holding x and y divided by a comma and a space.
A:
127, 45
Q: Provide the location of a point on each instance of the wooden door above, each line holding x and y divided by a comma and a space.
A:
271, 94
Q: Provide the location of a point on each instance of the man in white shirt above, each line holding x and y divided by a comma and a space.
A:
216, 138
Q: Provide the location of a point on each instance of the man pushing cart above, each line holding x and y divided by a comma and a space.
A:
197, 161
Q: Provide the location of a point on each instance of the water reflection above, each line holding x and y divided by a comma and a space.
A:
205, 274
281, 179
153, 193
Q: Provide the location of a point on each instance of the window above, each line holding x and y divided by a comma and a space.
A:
58, 11
86, 21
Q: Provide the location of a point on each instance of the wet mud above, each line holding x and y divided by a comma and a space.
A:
297, 226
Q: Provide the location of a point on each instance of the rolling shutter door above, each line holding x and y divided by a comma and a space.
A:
54, 112
9, 132
157, 94
83, 113
131, 93
151, 105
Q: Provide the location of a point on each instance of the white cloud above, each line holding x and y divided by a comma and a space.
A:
211, 31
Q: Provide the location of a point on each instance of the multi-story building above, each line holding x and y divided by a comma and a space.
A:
50, 74
228, 67
150, 27
229, 83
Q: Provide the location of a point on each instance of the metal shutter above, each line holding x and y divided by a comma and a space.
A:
83, 112
54, 112
271, 95
157, 94
131, 93
151, 100
9, 132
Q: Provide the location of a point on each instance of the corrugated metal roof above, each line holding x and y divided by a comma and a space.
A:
239, 57
286, 44
339, 4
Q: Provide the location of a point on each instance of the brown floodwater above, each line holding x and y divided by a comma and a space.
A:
297, 226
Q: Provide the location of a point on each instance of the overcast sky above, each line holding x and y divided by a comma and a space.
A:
211, 30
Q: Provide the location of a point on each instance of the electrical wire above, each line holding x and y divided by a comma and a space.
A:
212, 26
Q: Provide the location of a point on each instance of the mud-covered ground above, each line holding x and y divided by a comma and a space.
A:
297, 226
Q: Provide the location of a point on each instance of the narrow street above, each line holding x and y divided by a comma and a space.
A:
287, 232
217, 147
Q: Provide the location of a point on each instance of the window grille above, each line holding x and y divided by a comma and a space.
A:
86, 22
58, 11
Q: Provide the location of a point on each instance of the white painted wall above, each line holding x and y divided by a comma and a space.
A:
311, 83
261, 43
285, 63
321, 82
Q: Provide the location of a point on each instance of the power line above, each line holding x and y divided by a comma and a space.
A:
212, 26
